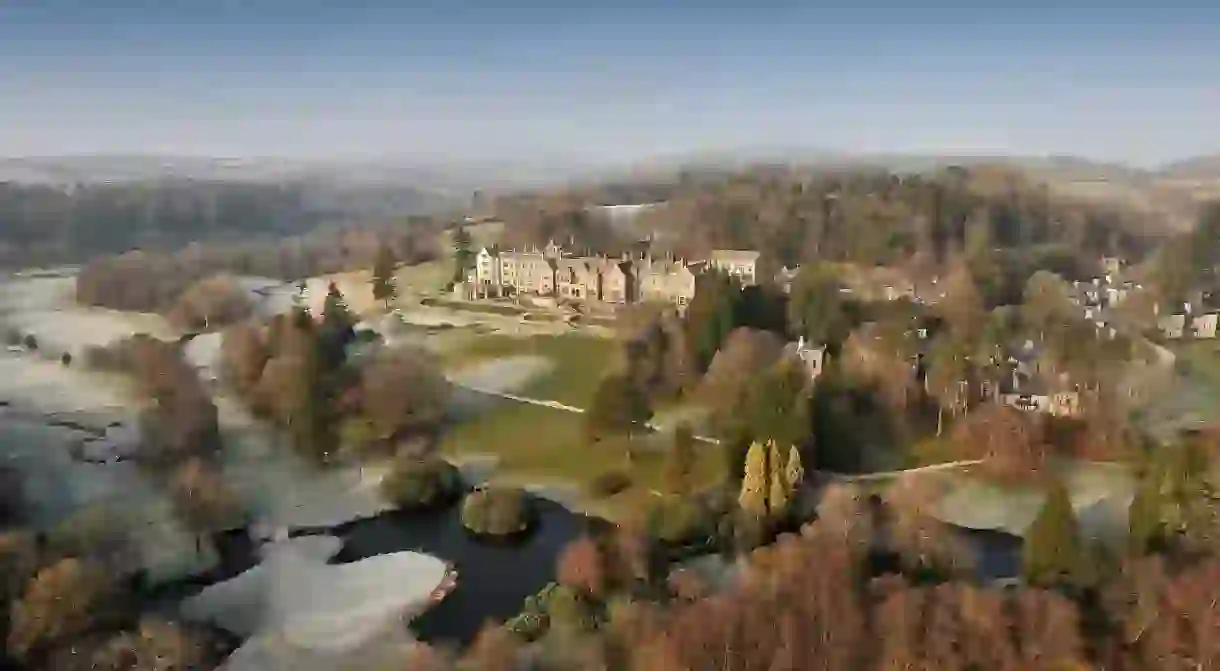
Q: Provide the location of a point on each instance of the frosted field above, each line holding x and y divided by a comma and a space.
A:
1100, 495
284, 491
504, 375
278, 488
298, 612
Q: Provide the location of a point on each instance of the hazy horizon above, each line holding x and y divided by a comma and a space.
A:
311, 80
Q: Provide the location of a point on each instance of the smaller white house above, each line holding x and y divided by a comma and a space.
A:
1204, 326
813, 358
1172, 326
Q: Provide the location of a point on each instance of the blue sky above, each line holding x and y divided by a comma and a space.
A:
615, 81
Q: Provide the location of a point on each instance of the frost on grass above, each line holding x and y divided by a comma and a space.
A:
298, 612
281, 489
1100, 496
506, 375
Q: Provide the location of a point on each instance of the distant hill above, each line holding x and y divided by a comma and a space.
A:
1198, 167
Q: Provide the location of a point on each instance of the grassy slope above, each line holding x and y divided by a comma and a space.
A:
580, 362
549, 445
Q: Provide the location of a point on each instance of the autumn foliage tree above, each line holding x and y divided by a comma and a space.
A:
62, 600
1012, 442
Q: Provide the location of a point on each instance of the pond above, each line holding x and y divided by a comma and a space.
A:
494, 578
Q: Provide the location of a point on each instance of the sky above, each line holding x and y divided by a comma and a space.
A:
614, 81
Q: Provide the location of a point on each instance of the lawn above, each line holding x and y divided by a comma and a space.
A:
549, 445
487, 308
580, 362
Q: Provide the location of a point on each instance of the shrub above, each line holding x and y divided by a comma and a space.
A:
66, 358
422, 483
609, 483
497, 511
30, 342
680, 520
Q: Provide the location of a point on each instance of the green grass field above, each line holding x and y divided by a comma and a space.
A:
486, 308
547, 445
580, 362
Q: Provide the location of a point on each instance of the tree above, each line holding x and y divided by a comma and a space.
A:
745, 354
495, 648
962, 306
243, 356
619, 406
1046, 305
780, 493
385, 288
680, 461
337, 329
1144, 518
711, 316
1053, 554
816, 309
753, 497
948, 377
1013, 442
463, 255
794, 472
584, 566
60, 602
402, 391
294, 389
156, 645
203, 502
778, 404
210, 303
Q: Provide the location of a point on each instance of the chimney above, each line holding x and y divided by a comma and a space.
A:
800, 343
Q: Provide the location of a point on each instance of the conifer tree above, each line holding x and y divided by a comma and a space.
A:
337, 329
384, 287
463, 254
753, 497
1053, 553
679, 461
777, 501
794, 473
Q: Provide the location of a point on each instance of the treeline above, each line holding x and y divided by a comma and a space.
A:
875, 583
797, 216
46, 224
159, 282
41, 224
304, 375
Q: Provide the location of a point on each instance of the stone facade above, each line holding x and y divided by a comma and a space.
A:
551, 272
742, 264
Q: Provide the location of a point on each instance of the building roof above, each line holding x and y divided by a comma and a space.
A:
734, 255
1024, 385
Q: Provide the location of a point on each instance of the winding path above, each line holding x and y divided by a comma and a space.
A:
841, 477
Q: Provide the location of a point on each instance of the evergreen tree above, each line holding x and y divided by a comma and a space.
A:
1053, 554
303, 392
711, 316
753, 497
337, 330
384, 287
794, 472
777, 500
619, 406
679, 461
1144, 517
463, 255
